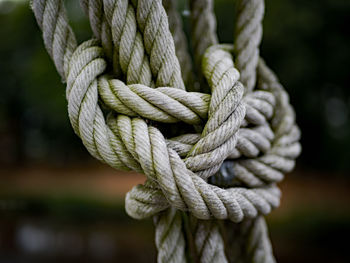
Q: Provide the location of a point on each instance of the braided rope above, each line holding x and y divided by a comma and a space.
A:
130, 57
248, 34
58, 36
256, 129
99, 25
203, 27
209, 242
169, 238
159, 44
249, 241
180, 41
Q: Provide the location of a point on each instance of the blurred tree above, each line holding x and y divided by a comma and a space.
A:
307, 44
33, 111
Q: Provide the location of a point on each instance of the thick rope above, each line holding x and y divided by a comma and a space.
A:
130, 57
99, 25
159, 44
284, 145
247, 39
180, 41
248, 34
209, 242
203, 25
248, 241
256, 129
204, 35
167, 168
58, 36
169, 237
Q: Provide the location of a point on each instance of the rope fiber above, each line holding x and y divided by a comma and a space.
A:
207, 190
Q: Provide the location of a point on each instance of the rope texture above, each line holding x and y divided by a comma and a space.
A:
127, 80
248, 241
180, 41
248, 34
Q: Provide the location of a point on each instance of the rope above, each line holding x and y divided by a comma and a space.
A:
99, 25
249, 241
180, 41
203, 28
169, 238
58, 36
209, 242
127, 80
248, 34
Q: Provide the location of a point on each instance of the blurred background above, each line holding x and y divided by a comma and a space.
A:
57, 204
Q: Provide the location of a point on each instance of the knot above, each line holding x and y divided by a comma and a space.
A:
127, 86
176, 168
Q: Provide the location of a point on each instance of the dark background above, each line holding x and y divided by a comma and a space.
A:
58, 204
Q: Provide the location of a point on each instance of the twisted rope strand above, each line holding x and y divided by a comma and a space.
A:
58, 36
99, 25
159, 44
180, 41
170, 241
248, 34
130, 57
248, 140
209, 242
183, 189
249, 241
203, 28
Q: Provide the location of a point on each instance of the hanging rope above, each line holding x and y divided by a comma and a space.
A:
130, 78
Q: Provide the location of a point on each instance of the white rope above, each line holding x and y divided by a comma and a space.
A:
247, 140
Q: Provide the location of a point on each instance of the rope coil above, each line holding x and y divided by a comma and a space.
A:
248, 137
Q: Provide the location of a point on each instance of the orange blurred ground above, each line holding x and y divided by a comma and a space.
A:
300, 189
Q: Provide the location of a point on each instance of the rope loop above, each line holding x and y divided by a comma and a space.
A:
180, 182
127, 80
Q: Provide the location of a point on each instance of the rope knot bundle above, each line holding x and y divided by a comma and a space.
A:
128, 78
